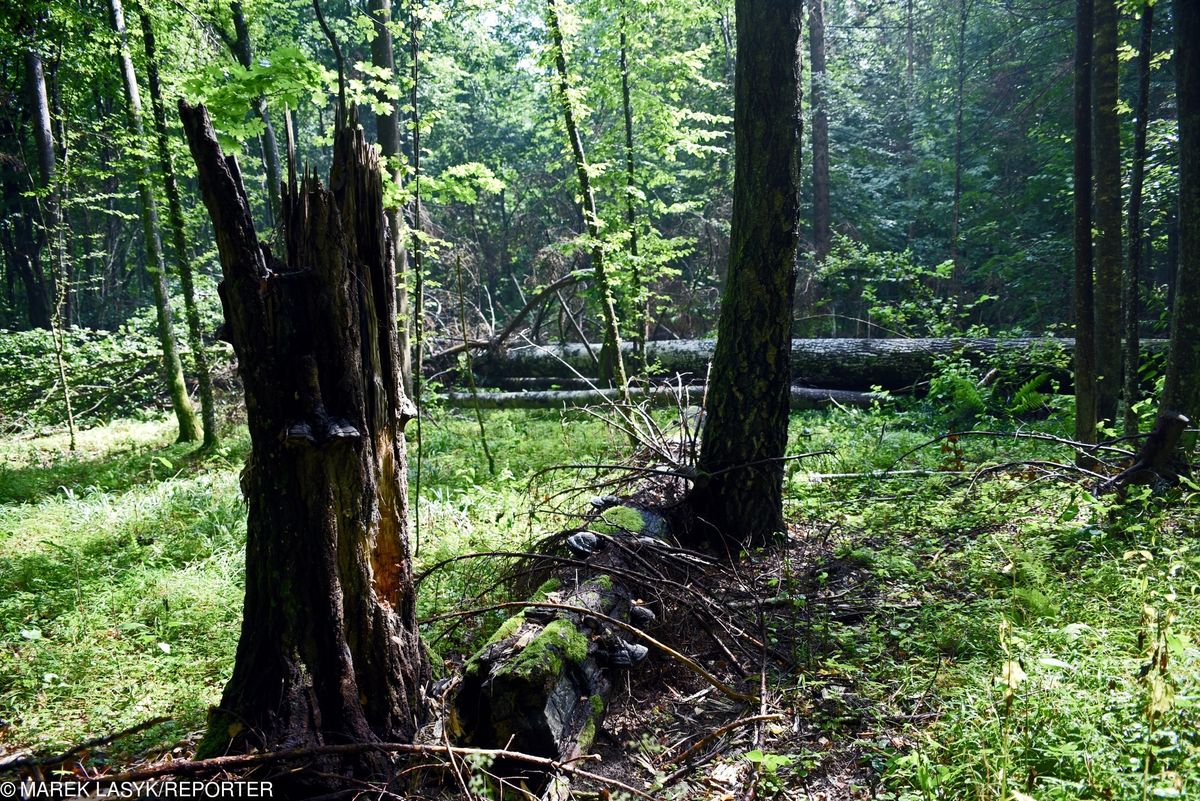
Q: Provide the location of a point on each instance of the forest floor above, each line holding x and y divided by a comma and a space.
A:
976, 629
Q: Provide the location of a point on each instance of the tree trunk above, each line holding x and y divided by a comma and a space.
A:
738, 498
183, 264
329, 650
38, 291
856, 364
383, 56
1181, 392
822, 232
612, 363
189, 427
1085, 309
243, 51
1107, 143
641, 289
956, 215
1133, 268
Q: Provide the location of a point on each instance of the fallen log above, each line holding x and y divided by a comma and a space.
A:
801, 398
853, 364
541, 684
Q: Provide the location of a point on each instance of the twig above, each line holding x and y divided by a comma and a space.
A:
30, 762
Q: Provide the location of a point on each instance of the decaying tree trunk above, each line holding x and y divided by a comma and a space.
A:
1157, 460
329, 650
855, 364
800, 397
541, 684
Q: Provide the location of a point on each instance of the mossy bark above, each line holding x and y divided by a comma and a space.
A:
738, 496
185, 415
329, 650
1181, 392
183, 265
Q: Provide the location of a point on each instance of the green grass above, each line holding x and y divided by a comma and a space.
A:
1005, 643
121, 565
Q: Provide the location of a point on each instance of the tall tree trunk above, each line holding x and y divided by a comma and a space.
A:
956, 215
383, 56
189, 426
52, 218
1107, 142
1085, 314
612, 364
329, 650
641, 289
822, 233
183, 264
1181, 393
1133, 267
38, 290
738, 495
243, 51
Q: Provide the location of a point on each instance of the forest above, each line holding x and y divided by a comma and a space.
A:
711, 400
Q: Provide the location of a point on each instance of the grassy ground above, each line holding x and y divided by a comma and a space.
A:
979, 637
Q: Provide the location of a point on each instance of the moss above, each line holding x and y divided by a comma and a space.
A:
603, 582
586, 735
507, 629
542, 592
543, 656
597, 705
620, 518
437, 667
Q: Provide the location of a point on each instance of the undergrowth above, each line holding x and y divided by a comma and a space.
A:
995, 636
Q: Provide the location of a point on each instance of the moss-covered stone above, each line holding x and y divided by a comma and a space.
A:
603, 582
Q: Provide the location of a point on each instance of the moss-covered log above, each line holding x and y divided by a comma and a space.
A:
541, 684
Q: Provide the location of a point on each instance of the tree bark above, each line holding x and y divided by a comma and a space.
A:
822, 230
189, 426
1181, 391
738, 498
183, 264
855, 364
329, 650
1085, 307
956, 214
641, 289
612, 363
383, 55
1133, 267
1107, 142
38, 290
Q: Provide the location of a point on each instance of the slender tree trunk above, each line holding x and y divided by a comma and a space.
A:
956, 215
183, 265
1181, 392
52, 217
737, 498
1107, 143
612, 364
189, 426
1133, 268
38, 290
1085, 314
329, 649
910, 180
243, 51
383, 56
641, 289
822, 233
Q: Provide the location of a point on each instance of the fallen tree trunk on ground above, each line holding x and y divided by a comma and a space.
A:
854, 364
801, 398
541, 684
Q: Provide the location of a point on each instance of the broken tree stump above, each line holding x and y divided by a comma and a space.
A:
1157, 460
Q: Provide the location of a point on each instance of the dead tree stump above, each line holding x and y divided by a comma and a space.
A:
329, 650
